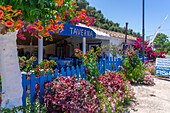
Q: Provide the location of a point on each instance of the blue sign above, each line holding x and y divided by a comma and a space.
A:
77, 31
162, 67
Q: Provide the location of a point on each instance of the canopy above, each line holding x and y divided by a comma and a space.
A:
76, 31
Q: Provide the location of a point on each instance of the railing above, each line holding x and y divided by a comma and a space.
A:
80, 72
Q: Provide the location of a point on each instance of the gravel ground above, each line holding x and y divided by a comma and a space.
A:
152, 99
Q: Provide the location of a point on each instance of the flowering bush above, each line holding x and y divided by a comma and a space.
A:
69, 95
43, 67
114, 92
26, 65
146, 78
150, 54
50, 17
8, 15
132, 66
151, 68
90, 60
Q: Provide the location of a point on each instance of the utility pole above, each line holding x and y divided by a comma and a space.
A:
125, 45
143, 32
126, 33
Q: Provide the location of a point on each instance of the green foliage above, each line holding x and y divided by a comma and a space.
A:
166, 47
44, 67
90, 60
113, 49
38, 8
26, 65
161, 39
36, 108
132, 66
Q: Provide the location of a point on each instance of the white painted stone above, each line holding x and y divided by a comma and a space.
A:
10, 72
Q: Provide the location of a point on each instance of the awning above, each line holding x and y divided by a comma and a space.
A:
69, 30
76, 31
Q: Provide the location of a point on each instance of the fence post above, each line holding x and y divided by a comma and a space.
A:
119, 63
68, 71
116, 64
72, 71
77, 72
56, 73
111, 64
62, 72
32, 88
49, 77
42, 89
24, 90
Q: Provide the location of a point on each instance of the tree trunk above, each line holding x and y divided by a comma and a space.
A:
10, 72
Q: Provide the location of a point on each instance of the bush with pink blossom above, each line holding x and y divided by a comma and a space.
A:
114, 92
146, 78
149, 52
151, 68
67, 95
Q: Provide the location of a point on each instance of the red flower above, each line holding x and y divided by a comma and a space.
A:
55, 27
129, 56
1, 13
163, 56
9, 23
130, 62
40, 28
121, 49
137, 66
132, 53
83, 11
51, 20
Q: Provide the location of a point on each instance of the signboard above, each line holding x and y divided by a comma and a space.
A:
77, 31
162, 67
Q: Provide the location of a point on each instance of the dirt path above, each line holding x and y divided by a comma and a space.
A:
152, 99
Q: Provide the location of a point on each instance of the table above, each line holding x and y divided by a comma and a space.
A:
63, 63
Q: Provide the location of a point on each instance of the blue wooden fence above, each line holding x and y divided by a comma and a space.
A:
102, 65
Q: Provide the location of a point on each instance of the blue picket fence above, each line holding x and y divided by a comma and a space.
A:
80, 72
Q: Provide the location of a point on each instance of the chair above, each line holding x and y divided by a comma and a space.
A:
53, 58
68, 58
60, 63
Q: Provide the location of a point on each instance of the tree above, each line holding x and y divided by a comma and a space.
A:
50, 15
101, 21
166, 47
161, 39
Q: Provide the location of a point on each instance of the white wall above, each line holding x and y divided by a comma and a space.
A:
116, 41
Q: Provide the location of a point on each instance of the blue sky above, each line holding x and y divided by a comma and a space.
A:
122, 11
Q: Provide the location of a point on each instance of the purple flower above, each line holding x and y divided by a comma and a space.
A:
109, 98
92, 77
113, 105
110, 88
104, 108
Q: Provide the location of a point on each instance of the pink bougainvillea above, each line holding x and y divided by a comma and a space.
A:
149, 52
